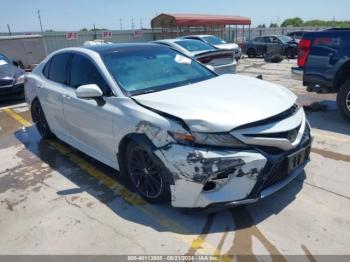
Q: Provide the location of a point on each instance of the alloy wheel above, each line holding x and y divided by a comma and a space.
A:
144, 173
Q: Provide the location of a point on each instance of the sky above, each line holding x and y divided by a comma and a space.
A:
71, 15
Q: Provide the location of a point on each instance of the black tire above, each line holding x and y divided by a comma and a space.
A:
251, 53
147, 174
343, 99
39, 120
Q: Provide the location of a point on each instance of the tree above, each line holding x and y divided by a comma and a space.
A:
83, 30
296, 22
262, 26
273, 25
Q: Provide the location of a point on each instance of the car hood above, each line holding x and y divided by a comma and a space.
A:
227, 46
9, 71
222, 103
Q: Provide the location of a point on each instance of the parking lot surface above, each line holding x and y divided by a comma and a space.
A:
56, 200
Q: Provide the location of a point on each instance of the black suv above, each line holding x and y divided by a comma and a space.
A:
276, 44
324, 62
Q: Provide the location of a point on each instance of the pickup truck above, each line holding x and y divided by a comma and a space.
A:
324, 64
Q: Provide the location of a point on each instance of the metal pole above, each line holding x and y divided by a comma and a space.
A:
121, 24
95, 35
132, 23
249, 33
236, 34
141, 25
243, 35
41, 25
8, 27
42, 33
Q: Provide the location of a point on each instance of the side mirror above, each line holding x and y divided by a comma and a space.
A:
88, 91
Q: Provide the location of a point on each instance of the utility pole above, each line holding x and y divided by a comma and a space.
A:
132, 23
8, 27
121, 24
41, 25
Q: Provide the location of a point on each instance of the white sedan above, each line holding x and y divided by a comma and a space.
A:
178, 131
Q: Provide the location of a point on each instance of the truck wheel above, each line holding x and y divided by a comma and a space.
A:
147, 174
251, 53
343, 99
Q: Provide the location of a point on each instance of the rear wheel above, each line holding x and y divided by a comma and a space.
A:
343, 99
251, 53
147, 174
39, 120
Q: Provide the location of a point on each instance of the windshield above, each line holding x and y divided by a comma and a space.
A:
194, 45
4, 60
214, 40
153, 69
285, 39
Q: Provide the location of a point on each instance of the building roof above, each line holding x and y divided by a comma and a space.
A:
171, 20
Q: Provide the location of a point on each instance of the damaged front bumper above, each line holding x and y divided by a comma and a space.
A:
220, 178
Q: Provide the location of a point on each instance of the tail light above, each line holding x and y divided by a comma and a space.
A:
304, 51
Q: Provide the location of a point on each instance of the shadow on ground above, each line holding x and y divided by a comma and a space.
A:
329, 119
189, 223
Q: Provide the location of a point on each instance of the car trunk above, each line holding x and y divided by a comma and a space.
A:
215, 58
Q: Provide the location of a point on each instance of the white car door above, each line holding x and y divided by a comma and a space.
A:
51, 90
90, 122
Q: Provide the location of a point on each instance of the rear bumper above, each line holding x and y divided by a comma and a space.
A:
297, 73
226, 69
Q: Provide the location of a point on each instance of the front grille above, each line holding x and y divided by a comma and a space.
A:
291, 135
6, 82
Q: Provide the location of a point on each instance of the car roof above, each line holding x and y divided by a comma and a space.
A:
197, 35
172, 40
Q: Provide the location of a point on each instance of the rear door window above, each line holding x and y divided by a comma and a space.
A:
84, 72
58, 68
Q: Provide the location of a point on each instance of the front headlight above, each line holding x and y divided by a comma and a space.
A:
217, 139
208, 139
20, 80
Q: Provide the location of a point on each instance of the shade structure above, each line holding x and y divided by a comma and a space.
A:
196, 20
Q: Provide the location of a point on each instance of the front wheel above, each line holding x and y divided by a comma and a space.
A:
39, 120
147, 174
343, 99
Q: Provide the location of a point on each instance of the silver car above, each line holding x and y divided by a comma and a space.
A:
178, 131
218, 43
221, 61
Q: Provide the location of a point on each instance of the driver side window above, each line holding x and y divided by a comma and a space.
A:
84, 72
